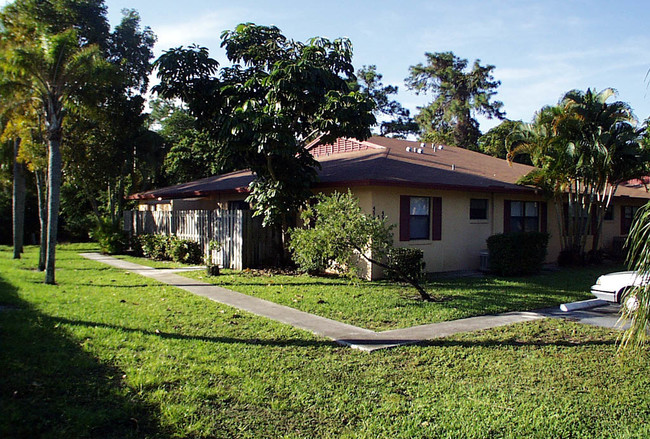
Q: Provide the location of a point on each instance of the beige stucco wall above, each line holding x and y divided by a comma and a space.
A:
462, 238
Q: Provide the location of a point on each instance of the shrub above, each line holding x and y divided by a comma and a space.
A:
513, 254
341, 234
111, 238
155, 246
185, 251
407, 260
168, 248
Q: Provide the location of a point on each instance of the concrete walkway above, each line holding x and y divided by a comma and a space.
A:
342, 333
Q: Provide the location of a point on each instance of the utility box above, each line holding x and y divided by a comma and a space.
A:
484, 264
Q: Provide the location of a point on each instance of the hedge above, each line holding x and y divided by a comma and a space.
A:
513, 254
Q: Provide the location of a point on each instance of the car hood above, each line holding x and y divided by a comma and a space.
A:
621, 279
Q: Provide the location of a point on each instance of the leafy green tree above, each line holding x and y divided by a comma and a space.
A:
340, 235
55, 68
112, 131
263, 111
394, 119
458, 96
190, 153
193, 157
498, 141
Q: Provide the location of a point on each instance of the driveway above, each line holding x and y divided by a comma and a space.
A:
605, 316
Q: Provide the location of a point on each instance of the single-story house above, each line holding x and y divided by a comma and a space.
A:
444, 200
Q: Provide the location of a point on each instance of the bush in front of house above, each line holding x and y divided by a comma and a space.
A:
408, 261
340, 234
513, 254
153, 246
167, 248
185, 251
111, 238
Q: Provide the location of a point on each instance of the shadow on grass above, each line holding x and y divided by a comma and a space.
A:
50, 387
174, 336
98, 285
445, 343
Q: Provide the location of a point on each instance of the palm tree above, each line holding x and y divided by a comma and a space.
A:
583, 149
608, 152
638, 259
53, 69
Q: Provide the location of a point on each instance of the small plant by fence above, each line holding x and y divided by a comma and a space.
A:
244, 242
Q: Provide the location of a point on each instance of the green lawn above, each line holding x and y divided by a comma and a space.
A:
110, 354
385, 305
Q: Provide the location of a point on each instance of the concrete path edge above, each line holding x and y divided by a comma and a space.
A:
342, 333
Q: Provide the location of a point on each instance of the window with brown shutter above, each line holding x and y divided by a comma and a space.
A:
420, 218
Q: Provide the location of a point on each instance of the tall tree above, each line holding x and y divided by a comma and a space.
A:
498, 141
394, 120
459, 95
190, 153
583, 149
113, 130
56, 63
263, 110
11, 133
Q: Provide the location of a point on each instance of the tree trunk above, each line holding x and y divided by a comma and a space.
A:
53, 198
18, 208
41, 191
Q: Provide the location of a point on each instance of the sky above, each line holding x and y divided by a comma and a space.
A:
540, 49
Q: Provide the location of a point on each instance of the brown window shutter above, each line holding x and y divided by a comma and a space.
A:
623, 231
543, 221
404, 217
506, 216
436, 218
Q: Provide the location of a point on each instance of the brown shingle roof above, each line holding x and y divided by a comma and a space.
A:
388, 163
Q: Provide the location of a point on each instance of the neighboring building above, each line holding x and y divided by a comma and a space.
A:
444, 200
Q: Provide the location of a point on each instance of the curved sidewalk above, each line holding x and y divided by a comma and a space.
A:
342, 333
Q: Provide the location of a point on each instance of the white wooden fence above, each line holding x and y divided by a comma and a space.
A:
244, 242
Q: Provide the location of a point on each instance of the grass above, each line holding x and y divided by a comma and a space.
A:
385, 305
110, 354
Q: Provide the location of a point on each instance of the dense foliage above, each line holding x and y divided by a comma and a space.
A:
393, 119
111, 238
408, 261
340, 236
262, 111
167, 248
76, 87
458, 96
513, 254
638, 259
498, 141
583, 149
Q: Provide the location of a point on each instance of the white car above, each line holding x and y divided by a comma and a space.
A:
612, 287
